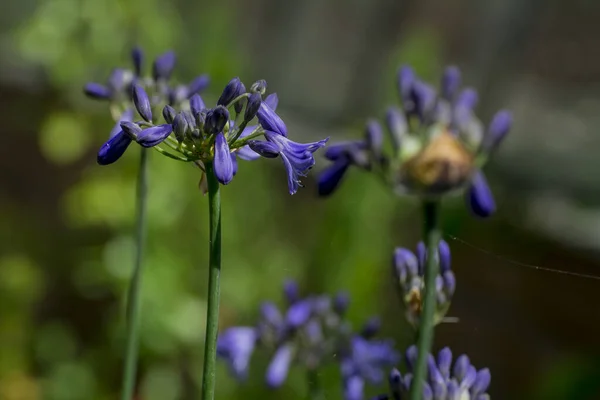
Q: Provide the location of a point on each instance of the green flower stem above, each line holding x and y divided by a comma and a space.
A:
315, 392
133, 295
214, 272
240, 129
432, 235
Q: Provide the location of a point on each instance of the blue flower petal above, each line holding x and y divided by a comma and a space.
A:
236, 345
223, 167
150, 137
479, 196
163, 65
272, 101
331, 177
278, 369
270, 121
97, 91
113, 149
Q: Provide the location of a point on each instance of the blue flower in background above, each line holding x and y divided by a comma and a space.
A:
446, 381
409, 270
438, 145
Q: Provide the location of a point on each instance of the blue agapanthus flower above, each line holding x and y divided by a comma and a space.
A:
446, 380
310, 333
438, 145
409, 270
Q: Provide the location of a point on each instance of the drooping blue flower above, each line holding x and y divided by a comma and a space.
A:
269, 120
236, 346
222, 163
114, 148
409, 271
461, 381
297, 157
438, 144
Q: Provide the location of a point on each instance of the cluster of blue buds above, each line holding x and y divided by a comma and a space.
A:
409, 270
311, 332
176, 122
438, 144
461, 381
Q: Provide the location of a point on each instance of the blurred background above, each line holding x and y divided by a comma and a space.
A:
66, 248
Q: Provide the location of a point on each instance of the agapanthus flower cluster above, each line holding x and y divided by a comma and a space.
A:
445, 380
409, 270
310, 333
177, 123
438, 144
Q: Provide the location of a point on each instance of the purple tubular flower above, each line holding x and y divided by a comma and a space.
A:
265, 149
374, 138
405, 264
341, 301
331, 177
169, 114
354, 387
97, 91
137, 55
479, 196
270, 121
445, 257
142, 102
450, 82
223, 167
126, 116
461, 366
150, 137
113, 149
180, 127
424, 99
344, 150
271, 314
299, 313
371, 328
163, 66
397, 126
216, 119
406, 78
498, 129
278, 369
291, 291
482, 382
131, 129
444, 361
197, 85
449, 283
272, 101
232, 90
236, 345
196, 104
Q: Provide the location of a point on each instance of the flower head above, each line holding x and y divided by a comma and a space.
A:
438, 144
445, 381
409, 270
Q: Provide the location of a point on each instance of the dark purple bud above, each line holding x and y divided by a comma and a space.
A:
498, 129
197, 85
396, 123
272, 101
222, 164
232, 90
479, 196
450, 82
291, 291
270, 121
427, 392
341, 301
169, 114
216, 120
421, 257
374, 138
196, 104
444, 361
137, 55
252, 106
371, 328
180, 127
424, 99
278, 368
97, 91
264, 148
405, 264
142, 102
191, 121
150, 137
395, 381
411, 357
234, 163
299, 313
271, 314
468, 98
461, 366
239, 104
406, 78
449, 283
200, 119
177, 94
259, 86
444, 253
163, 66
482, 382
131, 129
113, 149
331, 177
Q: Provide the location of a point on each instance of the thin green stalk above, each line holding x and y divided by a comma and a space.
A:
133, 295
432, 237
214, 272
315, 392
